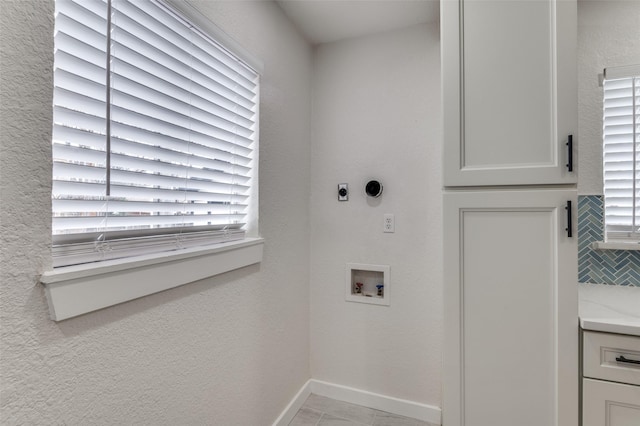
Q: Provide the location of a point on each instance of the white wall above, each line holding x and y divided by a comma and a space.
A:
232, 350
608, 36
377, 114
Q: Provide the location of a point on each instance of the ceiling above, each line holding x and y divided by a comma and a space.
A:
324, 21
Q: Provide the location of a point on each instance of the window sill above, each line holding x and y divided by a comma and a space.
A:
77, 290
601, 245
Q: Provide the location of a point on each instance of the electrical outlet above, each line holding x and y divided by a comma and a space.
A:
389, 223
343, 192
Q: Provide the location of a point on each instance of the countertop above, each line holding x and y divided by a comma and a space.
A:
609, 308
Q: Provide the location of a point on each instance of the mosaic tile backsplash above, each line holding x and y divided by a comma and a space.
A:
620, 267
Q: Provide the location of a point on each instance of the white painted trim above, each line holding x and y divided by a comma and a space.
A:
400, 407
622, 245
77, 290
612, 73
296, 403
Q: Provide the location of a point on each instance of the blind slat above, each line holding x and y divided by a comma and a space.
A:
176, 168
190, 118
621, 153
124, 70
150, 153
140, 23
155, 54
76, 206
169, 76
128, 117
79, 189
206, 51
163, 141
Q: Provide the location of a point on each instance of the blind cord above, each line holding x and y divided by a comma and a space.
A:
634, 229
108, 101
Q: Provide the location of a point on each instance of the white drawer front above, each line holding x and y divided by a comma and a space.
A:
605, 355
610, 404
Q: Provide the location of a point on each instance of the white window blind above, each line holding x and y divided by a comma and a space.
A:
154, 136
621, 166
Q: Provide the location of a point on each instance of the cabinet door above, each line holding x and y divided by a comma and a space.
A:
509, 91
511, 314
610, 404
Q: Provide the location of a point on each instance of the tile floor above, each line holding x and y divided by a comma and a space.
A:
320, 411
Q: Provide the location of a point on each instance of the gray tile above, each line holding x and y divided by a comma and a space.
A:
306, 417
388, 419
318, 402
341, 409
329, 420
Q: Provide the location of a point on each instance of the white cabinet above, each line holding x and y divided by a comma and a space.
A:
611, 384
610, 404
511, 315
510, 91
511, 303
610, 356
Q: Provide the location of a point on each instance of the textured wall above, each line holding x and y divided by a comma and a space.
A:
232, 350
608, 36
377, 115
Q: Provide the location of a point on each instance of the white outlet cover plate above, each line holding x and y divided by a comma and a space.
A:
389, 224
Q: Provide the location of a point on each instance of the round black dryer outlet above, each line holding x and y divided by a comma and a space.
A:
373, 188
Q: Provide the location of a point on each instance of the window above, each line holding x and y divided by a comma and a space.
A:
154, 136
621, 155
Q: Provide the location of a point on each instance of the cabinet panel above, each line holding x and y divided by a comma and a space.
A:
610, 404
603, 357
511, 330
510, 98
518, 63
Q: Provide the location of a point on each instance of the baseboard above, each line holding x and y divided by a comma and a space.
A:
290, 411
401, 407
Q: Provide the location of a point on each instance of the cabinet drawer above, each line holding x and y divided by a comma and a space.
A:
610, 404
610, 357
